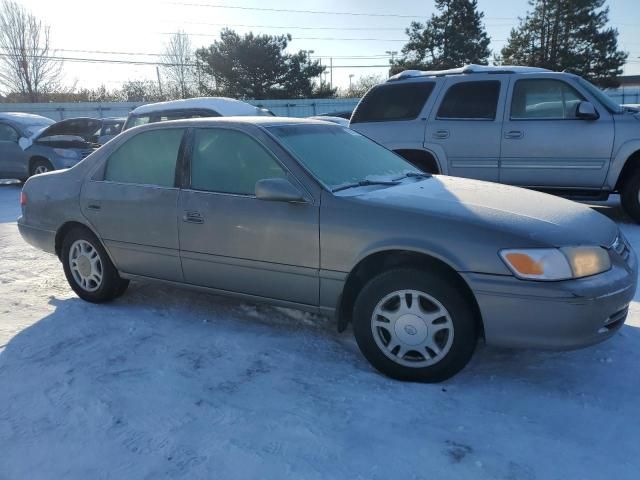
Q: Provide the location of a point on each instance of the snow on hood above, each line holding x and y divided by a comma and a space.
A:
541, 218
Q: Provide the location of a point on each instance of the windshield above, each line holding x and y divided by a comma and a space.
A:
605, 99
337, 155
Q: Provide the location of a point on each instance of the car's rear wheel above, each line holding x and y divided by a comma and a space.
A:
415, 325
630, 196
40, 166
88, 268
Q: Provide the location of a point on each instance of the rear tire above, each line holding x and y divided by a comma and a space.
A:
630, 196
88, 268
40, 166
415, 325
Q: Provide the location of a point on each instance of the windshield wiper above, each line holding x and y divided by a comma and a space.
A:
413, 175
364, 183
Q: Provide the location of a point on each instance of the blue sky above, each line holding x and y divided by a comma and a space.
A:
142, 26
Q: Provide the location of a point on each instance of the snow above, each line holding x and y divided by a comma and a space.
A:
167, 383
225, 106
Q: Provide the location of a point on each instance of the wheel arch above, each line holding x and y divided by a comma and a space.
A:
66, 227
631, 164
423, 159
380, 261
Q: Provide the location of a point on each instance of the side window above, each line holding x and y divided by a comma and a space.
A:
471, 101
149, 158
544, 99
228, 161
8, 133
389, 102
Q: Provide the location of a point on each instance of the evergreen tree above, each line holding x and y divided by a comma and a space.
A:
452, 38
567, 35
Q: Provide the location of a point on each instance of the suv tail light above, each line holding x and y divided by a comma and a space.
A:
23, 199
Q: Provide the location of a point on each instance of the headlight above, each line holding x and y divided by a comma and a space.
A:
64, 153
556, 264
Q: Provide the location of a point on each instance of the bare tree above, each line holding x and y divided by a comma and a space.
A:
179, 64
26, 64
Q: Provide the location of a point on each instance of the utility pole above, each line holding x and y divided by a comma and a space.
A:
392, 54
330, 72
350, 77
159, 81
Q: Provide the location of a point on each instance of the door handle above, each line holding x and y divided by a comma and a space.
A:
94, 206
441, 134
191, 216
514, 134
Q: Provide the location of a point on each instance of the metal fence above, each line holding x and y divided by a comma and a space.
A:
283, 108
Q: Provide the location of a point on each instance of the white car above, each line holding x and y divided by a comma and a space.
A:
192, 108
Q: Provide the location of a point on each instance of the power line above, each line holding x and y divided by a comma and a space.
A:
296, 38
285, 10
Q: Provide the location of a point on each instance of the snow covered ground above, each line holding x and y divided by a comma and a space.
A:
166, 383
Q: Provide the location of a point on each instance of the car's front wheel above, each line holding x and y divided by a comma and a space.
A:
415, 325
40, 166
88, 268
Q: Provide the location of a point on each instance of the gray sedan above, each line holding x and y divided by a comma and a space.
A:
315, 216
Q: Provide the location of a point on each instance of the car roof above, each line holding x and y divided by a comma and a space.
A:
26, 119
466, 70
222, 105
240, 120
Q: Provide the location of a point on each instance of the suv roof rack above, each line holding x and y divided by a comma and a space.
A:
466, 70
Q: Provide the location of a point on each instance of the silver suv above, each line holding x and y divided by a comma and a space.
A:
531, 127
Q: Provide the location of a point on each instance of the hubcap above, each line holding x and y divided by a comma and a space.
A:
85, 265
412, 328
40, 169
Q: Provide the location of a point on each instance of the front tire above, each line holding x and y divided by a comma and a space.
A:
630, 196
415, 325
40, 166
88, 268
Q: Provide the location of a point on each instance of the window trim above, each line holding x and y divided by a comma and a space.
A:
545, 119
101, 171
433, 84
15, 131
469, 119
186, 180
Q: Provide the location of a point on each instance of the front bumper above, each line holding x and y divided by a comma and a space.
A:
555, 315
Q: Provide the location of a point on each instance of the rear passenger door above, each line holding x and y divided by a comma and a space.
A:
394, 114
466, 125
12, 158
132, 204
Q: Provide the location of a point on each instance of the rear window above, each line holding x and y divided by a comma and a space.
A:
389, 102
471, 100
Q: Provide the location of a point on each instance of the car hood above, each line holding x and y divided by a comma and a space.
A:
74, 127
537, 218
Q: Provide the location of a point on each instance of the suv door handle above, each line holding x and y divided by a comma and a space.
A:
441, 134
94, 206
191, 216
514, 134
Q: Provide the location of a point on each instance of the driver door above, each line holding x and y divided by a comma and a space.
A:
232, 241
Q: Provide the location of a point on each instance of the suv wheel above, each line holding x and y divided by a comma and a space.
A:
630, 196
41, 166
88, 268
414, 325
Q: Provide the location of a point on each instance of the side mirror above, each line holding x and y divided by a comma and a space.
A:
24, 143
277, 190
586, 111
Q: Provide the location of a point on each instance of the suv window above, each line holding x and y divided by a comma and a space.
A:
228, 161
544, 99
471, 100
8, 133
390, 102
149, 158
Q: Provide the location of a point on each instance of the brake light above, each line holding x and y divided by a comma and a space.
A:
23, 199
